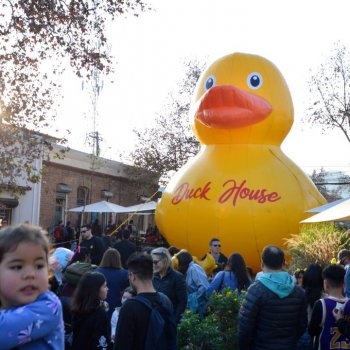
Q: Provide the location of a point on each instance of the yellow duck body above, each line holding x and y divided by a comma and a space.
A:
241, 187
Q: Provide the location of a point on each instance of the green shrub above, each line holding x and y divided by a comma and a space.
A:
218, 329
316, 243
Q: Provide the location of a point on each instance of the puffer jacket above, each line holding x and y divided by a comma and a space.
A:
268, 322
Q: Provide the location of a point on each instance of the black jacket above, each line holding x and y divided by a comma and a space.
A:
267, 322
95, 247
125, 249
173, 285
91, 331
133, 321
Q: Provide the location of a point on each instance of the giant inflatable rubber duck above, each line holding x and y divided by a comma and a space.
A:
241, 187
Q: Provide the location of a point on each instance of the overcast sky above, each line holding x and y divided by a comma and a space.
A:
149, 50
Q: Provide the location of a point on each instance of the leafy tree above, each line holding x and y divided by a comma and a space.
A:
37, 39
330, 88
166, 147
218, 329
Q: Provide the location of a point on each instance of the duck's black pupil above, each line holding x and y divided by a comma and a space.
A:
255, 80
209, 83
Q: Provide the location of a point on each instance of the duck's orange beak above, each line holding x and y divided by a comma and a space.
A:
226, 107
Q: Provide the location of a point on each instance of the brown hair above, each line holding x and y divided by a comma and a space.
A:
111, 259
86, 297
12, 236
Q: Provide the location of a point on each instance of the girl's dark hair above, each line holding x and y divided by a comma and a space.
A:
236, 264
86, 296
184, 258
299, 273
313, 284
12, 236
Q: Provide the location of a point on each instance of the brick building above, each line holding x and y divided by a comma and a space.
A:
78, 179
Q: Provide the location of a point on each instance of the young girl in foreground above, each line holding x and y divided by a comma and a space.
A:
90, 321
30, 315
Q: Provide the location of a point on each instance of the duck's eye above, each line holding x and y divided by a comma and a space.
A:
254, 80
210, 82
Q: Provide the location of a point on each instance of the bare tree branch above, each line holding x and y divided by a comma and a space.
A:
330, 88
167, 146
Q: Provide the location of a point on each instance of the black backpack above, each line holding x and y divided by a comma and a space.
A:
161, 331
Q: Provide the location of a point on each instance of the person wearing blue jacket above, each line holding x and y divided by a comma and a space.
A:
30, 315
116, 277
273, 313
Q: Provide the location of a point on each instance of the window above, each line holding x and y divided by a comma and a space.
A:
62, 191
82, 196
5, 215
60, 207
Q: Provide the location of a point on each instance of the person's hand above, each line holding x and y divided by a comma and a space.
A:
338, 314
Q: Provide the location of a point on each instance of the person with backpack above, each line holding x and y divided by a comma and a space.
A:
146, 321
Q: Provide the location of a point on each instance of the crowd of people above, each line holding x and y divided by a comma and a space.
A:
114, 297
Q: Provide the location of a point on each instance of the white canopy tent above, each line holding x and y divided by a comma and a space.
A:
137, 208
143, 209
327, 206
339, 211
100, 207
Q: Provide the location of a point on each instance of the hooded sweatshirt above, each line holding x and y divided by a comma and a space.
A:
280, 283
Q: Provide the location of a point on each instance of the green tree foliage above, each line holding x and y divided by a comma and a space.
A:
216, 331
330, 89
165, 147
37, 39
316, 243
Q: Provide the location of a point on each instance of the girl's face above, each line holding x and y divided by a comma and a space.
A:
126, 296
103, 291
299, 279
23, 275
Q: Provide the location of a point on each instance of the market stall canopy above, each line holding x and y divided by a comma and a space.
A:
149, 206
326, 206
100, 207
337, 212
